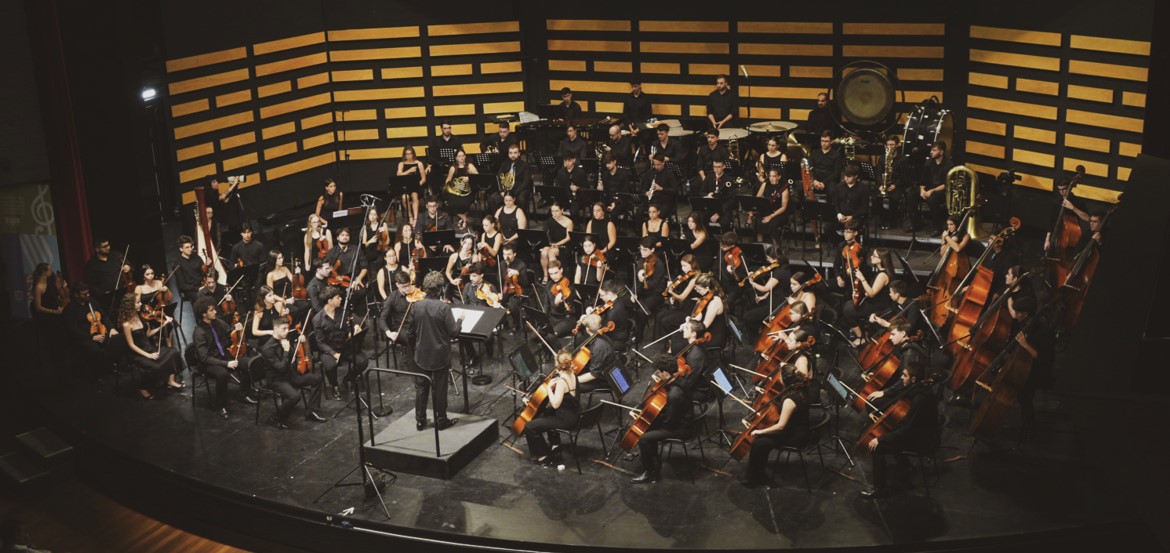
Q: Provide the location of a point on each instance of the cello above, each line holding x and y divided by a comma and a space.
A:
782, 319
1002, 380
654, 401
893, 416
879, 373
945, 278
852, 255
975, 290
774, 383
990, 335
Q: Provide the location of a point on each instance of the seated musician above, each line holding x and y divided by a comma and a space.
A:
722, 107
651, 277
614, 178
433, 219
152, 360
954, 238
318, 240
79, 328
317, 284
933, 190
1002, 258
476, 286
570, 176
718, 184
285, 380
515, 275
820, 118
700, 242
458, 264
1068, 201
516, 171
265, 309
713, 315
791, 429
561, 413
655, 225
557, 227
775, 190
347, 260
619, 147
445, 141
875, 298
385, 278
572, 145
917, 431
767, 288
850, 198
280, 279
900, 298
334, 341
660, 184
618, 312
601, 356
729, 273
210, 342
601, 226
560, 309
330, 200
212, 290
664, 144
710, 151
676, 420
457, 192
908, 353
501, 140
588, 268
679, 300
571, 111
637, 107
826, 163
1039, 340
248, 252
773, 157
805, 295
491, 239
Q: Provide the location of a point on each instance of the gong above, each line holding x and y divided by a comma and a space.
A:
865, 96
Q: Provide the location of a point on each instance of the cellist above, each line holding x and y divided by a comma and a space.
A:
917, 431
561, 413
601, 352
790, 430
900, 294
676, 418
908, 352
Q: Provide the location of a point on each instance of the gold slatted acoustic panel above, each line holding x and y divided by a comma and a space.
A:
788, 62
279, 108
1042, 103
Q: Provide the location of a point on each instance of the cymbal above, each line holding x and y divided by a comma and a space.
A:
772, 126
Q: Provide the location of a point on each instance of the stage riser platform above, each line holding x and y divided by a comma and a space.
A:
401, 447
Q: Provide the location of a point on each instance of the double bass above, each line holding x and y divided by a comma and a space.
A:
893, 416
977, 291
945, 278
1076, 283
989, 336
654, 401
1002, 380
1065, 235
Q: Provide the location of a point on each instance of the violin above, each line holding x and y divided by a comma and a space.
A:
336, 279
304, 362
702, 304
512, 286
649, 265
756, 273
239, 345
678, 282
852, 255
595, 259
486, 254
599, 312
416, 295
96, 328
733, 258
655, 398
561, 288
485, 293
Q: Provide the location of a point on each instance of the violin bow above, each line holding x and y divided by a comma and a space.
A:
303, 331
238, 349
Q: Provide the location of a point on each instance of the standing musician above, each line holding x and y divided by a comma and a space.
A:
601, 354
718, 184
891, 192
776, 191
1067, 200
515, 171
501, 140
1002, 259
329, 201
918, 431
619, 147
933, 189
820, 118
791, 429
445, 141
557, 294
850, 198
516, 285
248, 252
79, 318
636, 107
908, 353
561, 413
710, 151
669, 147
411, 165
334, 335
318, 240
876, 298
826, 163
557, 228
775, 273
677, 418
286, 380
722, 107
1040, 341
571, 111
103, 271
432, 328
214, 360
678, 293
188, 277
572, 145
651, 277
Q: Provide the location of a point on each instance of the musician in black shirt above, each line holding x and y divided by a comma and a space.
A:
820, 118
660, 184
850, 198
665, 145
316, 286
515, 270
592, 377
1064, 200
248, 252
517, 170
722, 107
903, 308
891, 184
933, 190
571, 110
210, 345
917, 431
189, 275
651, 277
572, 145
76, 319
827, 163
676, 420
614, 178
619, 147
348, 260
571, 177
285, 380
445, 141
909, 351
433, 327
334, 341
501, 140
637, 107
1039, 339
618, 313
103, 271
709, 152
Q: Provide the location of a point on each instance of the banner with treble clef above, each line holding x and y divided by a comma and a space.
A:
28, 233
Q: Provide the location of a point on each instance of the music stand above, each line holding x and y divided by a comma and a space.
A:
626, 246
532, 239
548, 194
589, 196
428, 264
538, 318
838, 396
440, 238
753, 251
753, 203
707, 206
482, 331
619, 382
586, 292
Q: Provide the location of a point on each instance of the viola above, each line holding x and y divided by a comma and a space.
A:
655, 398
416, 295
298, 286
337, 279
595, 259
733, 258
562, 288
679, 281
879, 374
96, 328
852, 255
304, 361
756, 273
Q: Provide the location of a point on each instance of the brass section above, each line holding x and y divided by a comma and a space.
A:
475, 49
183, 154
1015, 60
237, 140
1086, 142
452, 110
784, 28
907, 74
302, 165
613, 67
683, 26
353, 75
589, 45
231, 164
887, 51
1126, 72
413, 92
274, 89
786, 49
982, 149
201, 60
317, 120
1102, 120
280, 151
1037, 87
401, 52
1135, 99
494, 67
200, 83
322, 139
287, 43
503, 107
459, 186
294, 105
1033, 134
810, 72
1035, 158
232, 98
906, 29
1009, 106
961, 190
990, 81
196, 173
179, 110
1016, 35
1090, 93
1116, 45
661, 68
290, 64
450, 70
268, 133
461, 29
402, 73
213, 125
477, 89
586, 25
1091, 167
566, 65
406, 113
373, 34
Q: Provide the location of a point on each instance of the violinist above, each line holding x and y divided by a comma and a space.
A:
517, 170
370, 238
152, 360
558, 294
776, 191
599, 225
677, 418
918, 431
212, 339
651, 277
333, 341
877, 299
561, 413
844, 273
601, 354
453, 190
699, 241
103, 272
1040, 341
84, 335
558, 228
285, 380
476, 287
329, 201
248, 252
511, 218
1065, 201
517, 285
385, 278
655, 225
710, 309
396, 307
407, 247
767, 298
434, 219
410, 164
211, 289
458, 263
432, 328
791, 428
732, 267
347, 260
490, 240
318, 240
616, 312
908, 353
679, 301
151, 297
591, 265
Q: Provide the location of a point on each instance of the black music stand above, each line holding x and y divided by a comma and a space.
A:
707, 206
753, 251
403, 184
482, 331
532, 239
626, 246
586, 293
821, 212
440, 238
538, 319
589, 196
428, 264
550, 193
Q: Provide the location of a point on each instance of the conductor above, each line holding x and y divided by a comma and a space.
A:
433, 328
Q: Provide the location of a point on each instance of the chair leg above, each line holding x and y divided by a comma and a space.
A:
576, 454
804, 469
601, 438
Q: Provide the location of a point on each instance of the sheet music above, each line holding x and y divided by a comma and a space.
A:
470, 317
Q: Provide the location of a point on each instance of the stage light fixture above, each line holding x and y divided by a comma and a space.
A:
149, 93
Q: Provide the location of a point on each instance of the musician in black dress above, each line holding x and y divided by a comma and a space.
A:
284, 379
211, 341
329, 201
790, 430
676, 420
570, 110
875, 298
572, 145
934, 185
776, 192
636, 107
153, 360
433, 327
561, 412
334, 339
917, 431
722, 107
457, 191
701, 243
651, 277
769, 288
592, 377
679, 301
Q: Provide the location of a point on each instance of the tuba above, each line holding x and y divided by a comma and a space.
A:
961, 193
459, 186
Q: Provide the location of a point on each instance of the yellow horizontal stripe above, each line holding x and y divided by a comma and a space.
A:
589, 45
594, 86
784, 28
503, 107
197, 173
299, 166
287, 43
496, 67
1038, 87
886, 51
907, 74
990, 81
1128, 124
290, 64
613, 66
810, 72
317, 120
1127, 72
480, 88
400, 52
231, 164
402, 73
1035, 135
454, 110
359, 115
1034, 158
916, 96
1009, 106
373, 34
183, 154
984, 149
294, 105
450, 70
683, 26
566, 65
1016, 35
751, 48
281, 150
798, 114
406, 113
1122, 174
406, 132
475, 49
1091, 167
179, 110
1135, 99
984, 126
904, 29
268, 133
1086, 142
461, 29
708, 69
232, 98
376, 153
274, 89
312, 80
360, 134
764, 113
321, 140
788, 92
237, 140
607, 107
1090, 93
378, 94
213, 125
200, 83
1015, 60
1116, 45
586, 25
763, 70
662, 68
353, 75
201, 60
1128, 149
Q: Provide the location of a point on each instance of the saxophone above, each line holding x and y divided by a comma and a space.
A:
887, 172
